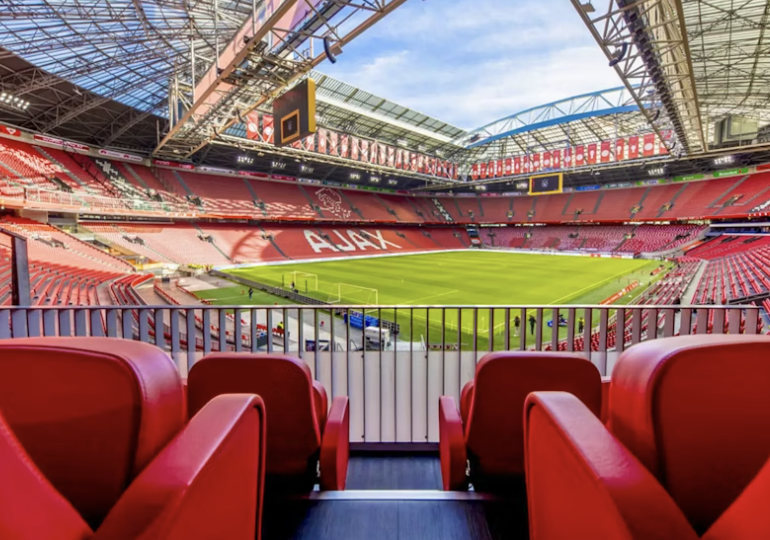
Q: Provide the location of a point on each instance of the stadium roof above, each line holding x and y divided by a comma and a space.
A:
688, 63
592, 117
353, 110
100, 71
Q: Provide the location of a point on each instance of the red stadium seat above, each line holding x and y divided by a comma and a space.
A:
300, 433
582, 483
487, 431
695, 410
92, 435
687, 442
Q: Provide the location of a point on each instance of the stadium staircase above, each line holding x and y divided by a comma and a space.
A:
313, 205
566, 204
92, 170
457, 205
116, 177
480, 200
426, 234
137, 179
387, 208
441, 210
408, 239
178, 177
671, 203
716, 202
205, 237
116, 236
74, 183
258, 203
270, 238
352, 206
639, 204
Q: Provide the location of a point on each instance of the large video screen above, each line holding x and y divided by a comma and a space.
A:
545, 184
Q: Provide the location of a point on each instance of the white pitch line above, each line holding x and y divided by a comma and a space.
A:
596, 285
428, 297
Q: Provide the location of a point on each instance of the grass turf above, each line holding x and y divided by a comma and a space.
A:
458, 279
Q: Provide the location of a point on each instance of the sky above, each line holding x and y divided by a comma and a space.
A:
469, 62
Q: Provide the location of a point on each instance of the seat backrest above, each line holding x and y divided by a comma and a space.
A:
583, 483
90, 412
30, 508
494, 433
286, 386
695, 411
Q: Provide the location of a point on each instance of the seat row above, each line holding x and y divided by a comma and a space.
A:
100, 438
674, 446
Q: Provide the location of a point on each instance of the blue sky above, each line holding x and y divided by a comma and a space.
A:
469, 62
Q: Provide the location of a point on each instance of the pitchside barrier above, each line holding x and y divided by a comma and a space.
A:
394, 392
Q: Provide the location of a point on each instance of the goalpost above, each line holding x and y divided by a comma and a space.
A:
303, 281
354, 294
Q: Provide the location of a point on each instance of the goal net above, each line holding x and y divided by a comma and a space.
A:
345, 293
303, 281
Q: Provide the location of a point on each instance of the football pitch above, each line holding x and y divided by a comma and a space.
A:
473, 278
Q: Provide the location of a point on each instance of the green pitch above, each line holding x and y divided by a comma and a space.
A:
485, 278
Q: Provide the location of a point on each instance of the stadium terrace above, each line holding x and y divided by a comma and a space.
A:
243, 299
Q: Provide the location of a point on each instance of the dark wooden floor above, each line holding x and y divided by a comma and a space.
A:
368, 517
394, 520
389, 472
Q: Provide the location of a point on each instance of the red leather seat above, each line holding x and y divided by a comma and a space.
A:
97, 428
300, 434
582, 483
487, 431
695, 410
687, 441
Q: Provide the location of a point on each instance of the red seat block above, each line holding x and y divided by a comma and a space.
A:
488, 428
695, 410
92, 434
301, 435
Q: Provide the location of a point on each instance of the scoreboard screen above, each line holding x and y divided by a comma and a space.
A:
545, 184
294, 113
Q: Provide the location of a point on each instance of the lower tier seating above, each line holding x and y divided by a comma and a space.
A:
737, 266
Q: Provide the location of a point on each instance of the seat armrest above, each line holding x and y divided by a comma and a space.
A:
583, 483
747, 518
207, 482
321, 404
451, 445
335, 446
605, 414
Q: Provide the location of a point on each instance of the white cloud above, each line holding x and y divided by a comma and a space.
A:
469, 62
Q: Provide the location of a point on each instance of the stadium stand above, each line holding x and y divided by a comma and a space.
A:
737, 268
51, 170
618, 238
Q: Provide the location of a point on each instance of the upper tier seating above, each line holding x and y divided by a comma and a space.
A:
98, 441
683, 442
304, 435
24, 165
485, 429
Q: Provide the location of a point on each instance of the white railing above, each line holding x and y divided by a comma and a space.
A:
393, 387
88, 202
